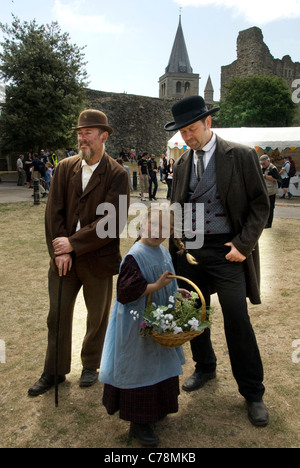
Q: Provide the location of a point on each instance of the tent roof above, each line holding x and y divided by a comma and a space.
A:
280, 138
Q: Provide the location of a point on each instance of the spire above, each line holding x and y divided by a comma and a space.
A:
209, 85
179, 60
209, 93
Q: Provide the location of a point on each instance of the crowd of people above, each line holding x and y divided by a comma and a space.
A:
37, 166
42, 166
149, 171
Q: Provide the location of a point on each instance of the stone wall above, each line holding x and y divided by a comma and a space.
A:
138, 121
255, 58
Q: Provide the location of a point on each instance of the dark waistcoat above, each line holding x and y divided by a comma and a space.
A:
205, 191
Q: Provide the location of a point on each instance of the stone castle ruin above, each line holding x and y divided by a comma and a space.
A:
255, 58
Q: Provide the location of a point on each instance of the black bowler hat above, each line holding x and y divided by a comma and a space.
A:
189, 111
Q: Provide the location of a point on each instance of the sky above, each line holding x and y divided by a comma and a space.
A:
129, 42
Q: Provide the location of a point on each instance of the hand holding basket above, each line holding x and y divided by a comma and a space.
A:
170, 340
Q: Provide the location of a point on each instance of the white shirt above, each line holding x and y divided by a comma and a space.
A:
87, 172
209, 150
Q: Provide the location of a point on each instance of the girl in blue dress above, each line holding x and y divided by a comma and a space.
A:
140, 376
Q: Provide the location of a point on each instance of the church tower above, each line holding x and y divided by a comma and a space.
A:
179, 81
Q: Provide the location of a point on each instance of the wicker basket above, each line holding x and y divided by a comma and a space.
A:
169, 340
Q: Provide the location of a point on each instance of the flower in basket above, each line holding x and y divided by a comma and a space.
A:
181, 315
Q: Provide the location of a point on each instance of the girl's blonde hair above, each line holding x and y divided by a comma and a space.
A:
182, 250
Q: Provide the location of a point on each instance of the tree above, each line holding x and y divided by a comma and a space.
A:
46, 87
257, 101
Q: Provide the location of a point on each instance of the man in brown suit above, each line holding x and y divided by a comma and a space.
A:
80, 185
226, 178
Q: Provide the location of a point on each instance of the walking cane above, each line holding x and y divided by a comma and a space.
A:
57, 340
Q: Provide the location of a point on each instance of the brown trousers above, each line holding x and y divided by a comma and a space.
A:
97, 294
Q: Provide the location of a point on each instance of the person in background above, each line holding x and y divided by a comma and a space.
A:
144, 175
169, 179
286, 178
272, 177
21, 171
152, 169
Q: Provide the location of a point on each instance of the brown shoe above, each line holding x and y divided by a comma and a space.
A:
44, 384
88, 378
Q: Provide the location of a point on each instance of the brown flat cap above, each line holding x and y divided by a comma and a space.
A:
92, 118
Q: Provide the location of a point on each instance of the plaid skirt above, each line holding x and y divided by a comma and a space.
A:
144, 405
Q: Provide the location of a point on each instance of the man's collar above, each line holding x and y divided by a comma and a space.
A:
93, 167
211, 143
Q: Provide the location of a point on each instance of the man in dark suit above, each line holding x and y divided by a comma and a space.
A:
226, 178
81, 184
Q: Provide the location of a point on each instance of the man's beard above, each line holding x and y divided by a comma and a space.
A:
87, 155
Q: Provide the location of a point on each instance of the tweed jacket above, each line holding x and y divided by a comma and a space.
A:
244, 198
67, 204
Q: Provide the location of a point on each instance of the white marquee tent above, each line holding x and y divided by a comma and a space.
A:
264, 138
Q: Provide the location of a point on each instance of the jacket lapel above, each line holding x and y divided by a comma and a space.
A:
184, 167
77, 179
224, 166
94, 181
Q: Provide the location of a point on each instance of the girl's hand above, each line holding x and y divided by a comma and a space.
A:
184, 292
163, 280
161, 283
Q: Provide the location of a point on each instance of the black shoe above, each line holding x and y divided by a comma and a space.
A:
258, 414
197, 380
44, 384
144, 434
88, 378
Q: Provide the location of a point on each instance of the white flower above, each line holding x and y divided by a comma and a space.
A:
177, 330
172, 299
169, 317
194, 323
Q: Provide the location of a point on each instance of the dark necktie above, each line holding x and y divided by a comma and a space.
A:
200, 164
